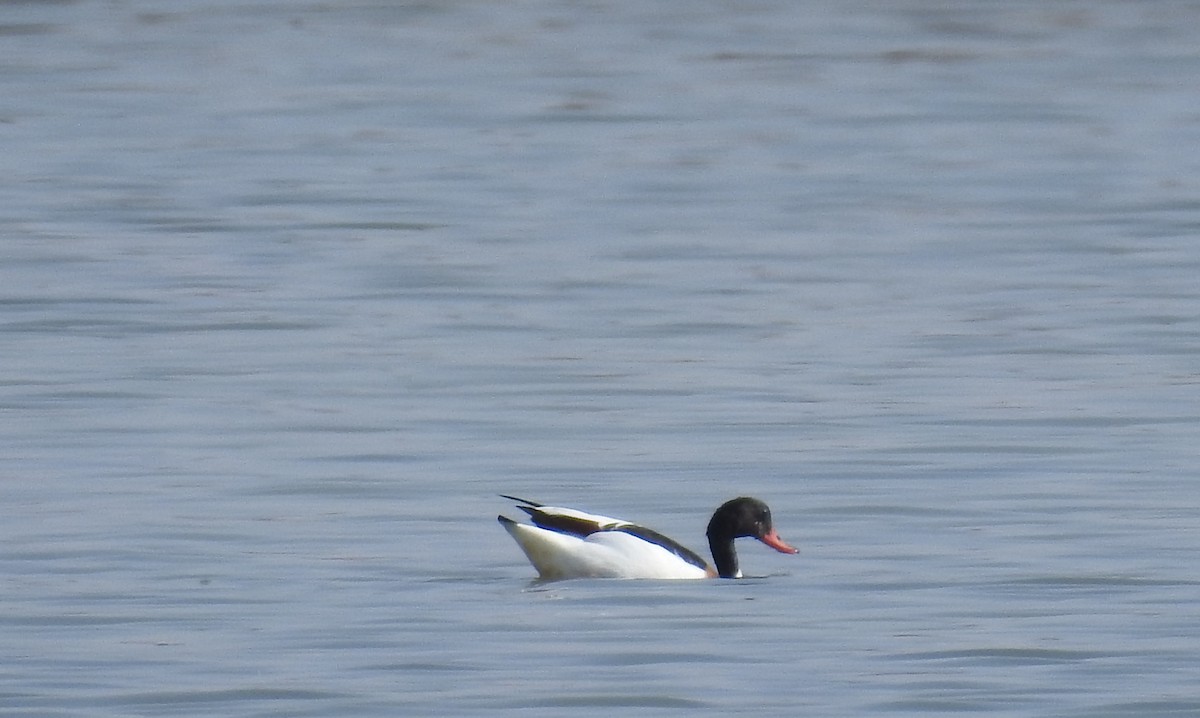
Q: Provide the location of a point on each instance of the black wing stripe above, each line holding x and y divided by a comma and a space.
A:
562, 524
669, 544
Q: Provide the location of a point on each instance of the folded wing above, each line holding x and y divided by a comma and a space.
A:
566, 543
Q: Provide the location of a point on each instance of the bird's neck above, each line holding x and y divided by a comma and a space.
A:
724, 556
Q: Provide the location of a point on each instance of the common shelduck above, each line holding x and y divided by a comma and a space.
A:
568, 543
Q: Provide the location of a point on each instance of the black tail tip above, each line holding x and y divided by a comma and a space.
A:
520, 500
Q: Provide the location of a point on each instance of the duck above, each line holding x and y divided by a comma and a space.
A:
564, 543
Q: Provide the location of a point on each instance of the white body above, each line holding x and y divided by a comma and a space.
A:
603, 554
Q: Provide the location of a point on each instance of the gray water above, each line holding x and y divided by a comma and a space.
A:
290, 291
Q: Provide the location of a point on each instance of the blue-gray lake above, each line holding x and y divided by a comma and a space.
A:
291, 291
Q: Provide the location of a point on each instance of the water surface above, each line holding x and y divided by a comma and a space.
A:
290, 292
